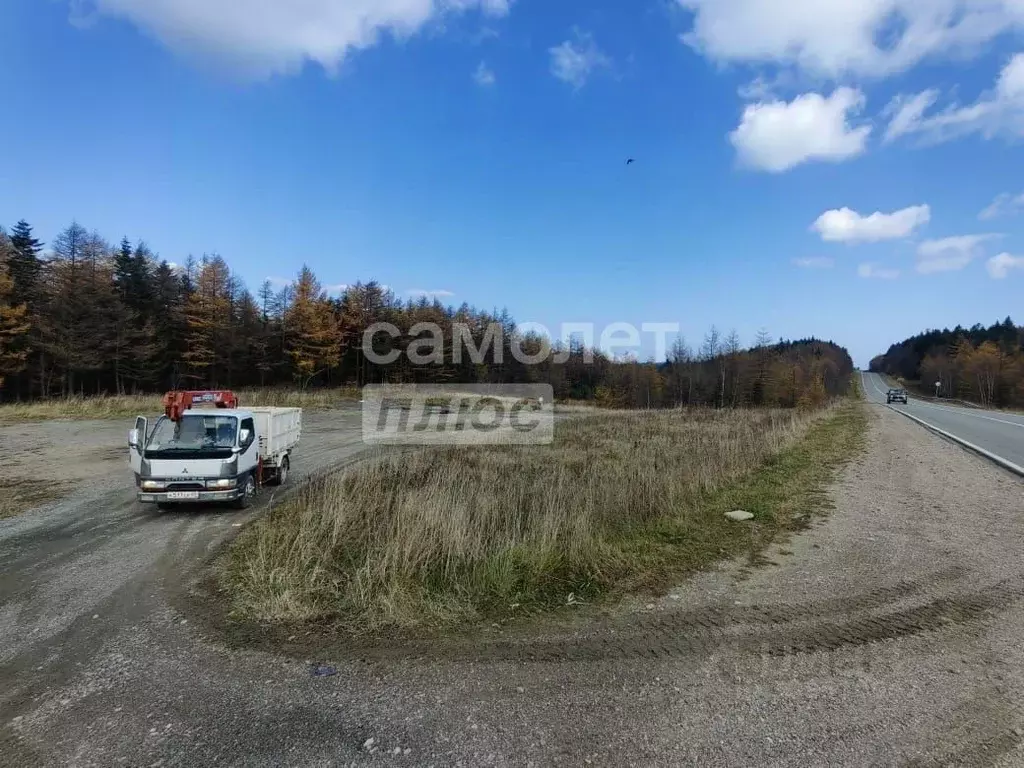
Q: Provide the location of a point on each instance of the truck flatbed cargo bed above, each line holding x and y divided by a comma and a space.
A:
279, 430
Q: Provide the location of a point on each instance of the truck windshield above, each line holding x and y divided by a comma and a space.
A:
196, 434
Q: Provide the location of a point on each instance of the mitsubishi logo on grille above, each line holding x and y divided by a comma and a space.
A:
184, 471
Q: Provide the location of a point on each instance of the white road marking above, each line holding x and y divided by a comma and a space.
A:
968, 412
1005, 463
874, 382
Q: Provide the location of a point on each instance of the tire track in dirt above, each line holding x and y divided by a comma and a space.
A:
776, 630
766, 631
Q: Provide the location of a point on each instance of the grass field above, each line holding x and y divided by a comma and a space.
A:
126, 406
621, 502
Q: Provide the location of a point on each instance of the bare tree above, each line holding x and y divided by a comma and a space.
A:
732, 353
762, 345
681, 357
712, 346
711, 351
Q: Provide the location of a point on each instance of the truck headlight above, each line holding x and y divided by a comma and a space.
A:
152, 485
223, 483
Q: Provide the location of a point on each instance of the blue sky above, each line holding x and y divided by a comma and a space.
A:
477, 148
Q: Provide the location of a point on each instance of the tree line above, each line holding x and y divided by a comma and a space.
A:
84, 317
983, 365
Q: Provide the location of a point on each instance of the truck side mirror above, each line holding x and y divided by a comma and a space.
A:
133, 438
243, 438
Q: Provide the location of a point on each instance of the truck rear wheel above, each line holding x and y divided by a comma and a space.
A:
280, 476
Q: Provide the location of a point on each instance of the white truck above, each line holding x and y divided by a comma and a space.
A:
218, 454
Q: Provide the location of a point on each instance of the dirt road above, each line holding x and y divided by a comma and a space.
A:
889, 634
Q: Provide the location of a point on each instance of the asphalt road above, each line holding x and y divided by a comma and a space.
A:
999, 433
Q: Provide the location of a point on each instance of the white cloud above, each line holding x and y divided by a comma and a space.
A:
270, 36
438, 294
999, 266
484, 34
848, 226
999, 112
776, 136
484, 76
763, 88
951, 253
873, 271
906, 112
847, 37
338, 288
1004, 205
814, 262
574, 60
82, 14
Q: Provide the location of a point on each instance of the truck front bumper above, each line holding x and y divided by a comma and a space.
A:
192, 497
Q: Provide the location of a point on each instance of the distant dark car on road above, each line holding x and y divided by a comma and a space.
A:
896, 396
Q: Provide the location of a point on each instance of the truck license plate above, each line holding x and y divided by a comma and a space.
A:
183, 495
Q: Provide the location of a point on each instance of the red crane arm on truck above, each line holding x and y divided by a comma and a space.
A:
176, 403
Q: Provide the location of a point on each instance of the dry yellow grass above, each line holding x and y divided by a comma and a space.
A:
19, 495
122, 406
620, 500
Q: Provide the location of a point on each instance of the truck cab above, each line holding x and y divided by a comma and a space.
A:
211, 455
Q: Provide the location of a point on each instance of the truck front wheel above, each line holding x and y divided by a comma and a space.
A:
248, 493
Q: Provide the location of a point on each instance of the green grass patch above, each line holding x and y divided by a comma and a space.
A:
622, 502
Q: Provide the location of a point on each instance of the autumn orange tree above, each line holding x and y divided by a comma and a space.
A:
13, 323
313, 334
207, 317
982, 368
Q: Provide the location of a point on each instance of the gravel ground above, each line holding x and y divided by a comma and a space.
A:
888, 634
